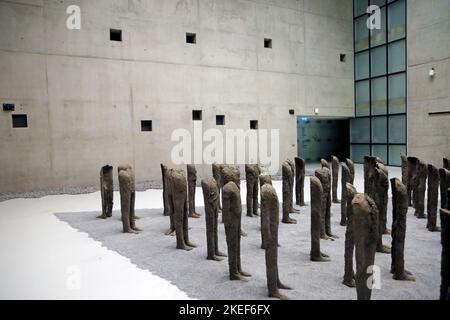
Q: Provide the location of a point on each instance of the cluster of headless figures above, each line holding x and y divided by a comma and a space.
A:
363, 214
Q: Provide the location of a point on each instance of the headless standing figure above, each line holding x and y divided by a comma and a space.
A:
251, 175
164, 184
232, 213
345, 178
179, 208
365, 222
419, 194
446, 163
399, 212
404, 160
287, 199
107, 191
217, 174
292, 181
300, 172
325, 230
432, 198
316, 221
264, 179
351, 167
335, 169
211, 199
381, 199
127, 199
445, 261
444, 181
270, 213
349, 275
412, 174
192, 185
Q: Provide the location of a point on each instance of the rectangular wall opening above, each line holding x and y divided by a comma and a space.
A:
197, 115
115, 35
19, 121
220, 120
254, 125
268, 43
191, 38
146, 125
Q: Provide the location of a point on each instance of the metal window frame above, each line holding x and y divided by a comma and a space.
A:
387, 43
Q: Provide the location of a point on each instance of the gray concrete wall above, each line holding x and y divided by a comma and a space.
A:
85, 95
428, 47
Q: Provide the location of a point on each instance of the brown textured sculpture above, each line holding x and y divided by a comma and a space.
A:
127, 198
179, 208
369, 173
381, 200
324, 163
432, 198
324, 176
217, 174
232, 213
444, 181
349, 273
211, 199
292, 181
164, 171
264, 179
445, 261
351, 167
404, 160
412, 173
399, 212
287, 197
365, 223
270, 213
251, 175
345, 178
335, 173
192, 185
106, 191
300, 172
316, 221
419, 193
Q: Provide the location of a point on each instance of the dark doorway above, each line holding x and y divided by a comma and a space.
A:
322, 137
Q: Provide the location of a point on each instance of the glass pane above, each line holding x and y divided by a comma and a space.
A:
397, 94
397, 129
361, 34
397, 21
378, 61
362, 98
362, 65
360, 6
394, 155
379, 130
378, 2
380, 151
358, 152
397, 57
378, 36
360, 130
379, 96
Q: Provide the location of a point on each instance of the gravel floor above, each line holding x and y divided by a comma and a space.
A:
202, 279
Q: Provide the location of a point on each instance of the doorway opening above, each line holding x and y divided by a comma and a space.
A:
319, 137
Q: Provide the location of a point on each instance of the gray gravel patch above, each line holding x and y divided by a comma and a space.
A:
192, 273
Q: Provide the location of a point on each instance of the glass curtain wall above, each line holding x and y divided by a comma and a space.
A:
379, 128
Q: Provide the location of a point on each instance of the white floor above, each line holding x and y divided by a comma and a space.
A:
43, 258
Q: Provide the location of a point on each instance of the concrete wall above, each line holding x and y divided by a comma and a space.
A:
428, 47
85, 95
